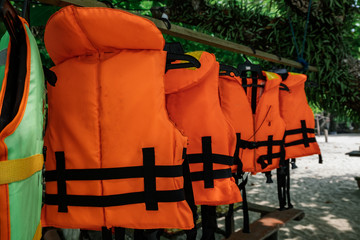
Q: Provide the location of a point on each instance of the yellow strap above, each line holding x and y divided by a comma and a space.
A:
37, 235
20, 169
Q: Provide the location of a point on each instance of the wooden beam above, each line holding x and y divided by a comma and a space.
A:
80, 3
192, 35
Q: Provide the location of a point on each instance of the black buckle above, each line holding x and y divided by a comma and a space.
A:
248, 144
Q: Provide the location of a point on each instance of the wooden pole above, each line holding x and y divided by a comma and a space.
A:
318, 124
326, 133
192, 35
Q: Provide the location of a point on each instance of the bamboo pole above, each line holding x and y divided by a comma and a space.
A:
191, 35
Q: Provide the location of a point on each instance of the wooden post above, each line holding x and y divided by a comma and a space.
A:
318, 124
326, 135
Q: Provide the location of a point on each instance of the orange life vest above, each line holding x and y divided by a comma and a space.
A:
193, 105
299, 119
113, 157
256, 119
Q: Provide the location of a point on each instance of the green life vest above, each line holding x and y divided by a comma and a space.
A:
21, 137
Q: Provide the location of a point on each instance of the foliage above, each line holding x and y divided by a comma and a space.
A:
332, 42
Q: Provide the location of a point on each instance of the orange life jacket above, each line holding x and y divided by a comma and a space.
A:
256, 120
193, 105
299, 119
113, 157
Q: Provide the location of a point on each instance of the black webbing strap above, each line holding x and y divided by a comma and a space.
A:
253, 145
268, 176
229, 221
189, 197
208, 220
148, 171
283, 185
293, 163
217, 174
320, 159
265, 160
149, 179
111, 173
208, 162
114, 200
305, 140
61, 184
106, 233
208, 175
287, 169
148, 234
254, 94
119, 233
245, 207
244, 83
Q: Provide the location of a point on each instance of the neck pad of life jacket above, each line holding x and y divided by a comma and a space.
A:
21, 136
255, 116
193, 105
113, 157
299, 119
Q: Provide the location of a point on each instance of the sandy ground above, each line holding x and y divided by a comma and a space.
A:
327, 193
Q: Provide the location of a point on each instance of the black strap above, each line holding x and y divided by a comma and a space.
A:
147, 234
244, 83
254, 94
106, 233
208, 159
50, 76
189, 196
208, 220
253, 145
229, 221
119, 233
268, 177
293, 163
114, 200
216, 158
208, 174
148, 171
300, 142
304, 130
111, 173
245, 207
149, 179
217, 174
320, 159
288, 184
283, 185
61, 184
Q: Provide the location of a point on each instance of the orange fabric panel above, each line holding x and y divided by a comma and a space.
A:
193, 105
4, 212
294, 108
107, 106
236, 105
73, 31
